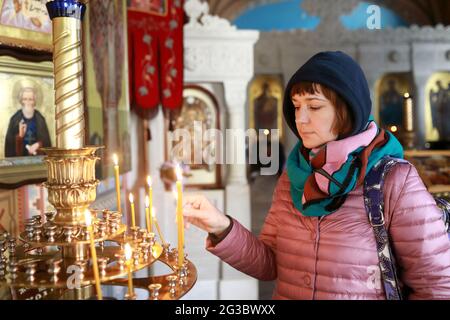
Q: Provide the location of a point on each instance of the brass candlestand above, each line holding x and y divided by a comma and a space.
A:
55, 254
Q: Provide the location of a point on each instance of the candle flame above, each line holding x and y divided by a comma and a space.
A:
149, 181
147, 201
178, 172
88, 218
266, 132
406, 95
131, 198
115, 159
394, 128
128, 251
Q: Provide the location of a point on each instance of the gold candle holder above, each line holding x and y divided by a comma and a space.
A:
71, 166
71, 189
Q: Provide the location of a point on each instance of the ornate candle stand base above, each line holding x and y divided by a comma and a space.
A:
72, 277
55, 253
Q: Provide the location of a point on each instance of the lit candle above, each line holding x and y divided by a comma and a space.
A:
88, 220
116, 175
128, 254
180, 217
133, 219
157, 226
150, 204
408, 120
147, 214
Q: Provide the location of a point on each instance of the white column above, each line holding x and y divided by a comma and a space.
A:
237, 196
235, 98
237, 193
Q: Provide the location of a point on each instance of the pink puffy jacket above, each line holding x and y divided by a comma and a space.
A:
335, 257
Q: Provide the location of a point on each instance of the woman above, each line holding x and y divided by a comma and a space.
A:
317, 241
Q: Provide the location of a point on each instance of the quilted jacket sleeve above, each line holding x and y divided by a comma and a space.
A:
247, 253
420, 242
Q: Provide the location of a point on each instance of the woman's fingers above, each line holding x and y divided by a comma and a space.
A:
196, 203
198, 211
196, 222
192, 200
187, 201
194, 213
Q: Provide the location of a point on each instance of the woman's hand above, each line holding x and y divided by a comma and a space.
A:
202, 214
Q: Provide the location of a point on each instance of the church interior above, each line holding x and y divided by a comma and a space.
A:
99, 97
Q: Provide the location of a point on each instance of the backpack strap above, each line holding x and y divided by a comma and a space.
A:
374, 203
444, 205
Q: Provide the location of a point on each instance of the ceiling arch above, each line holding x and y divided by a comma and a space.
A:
420, 12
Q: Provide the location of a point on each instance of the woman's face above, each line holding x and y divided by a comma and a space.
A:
314, 118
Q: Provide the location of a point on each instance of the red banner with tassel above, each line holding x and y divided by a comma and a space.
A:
155, 44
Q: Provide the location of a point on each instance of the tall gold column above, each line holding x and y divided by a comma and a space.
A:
71, 166
68, 70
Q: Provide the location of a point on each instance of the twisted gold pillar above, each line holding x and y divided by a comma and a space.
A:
68, 70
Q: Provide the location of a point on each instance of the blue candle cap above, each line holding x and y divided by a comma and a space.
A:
66, 8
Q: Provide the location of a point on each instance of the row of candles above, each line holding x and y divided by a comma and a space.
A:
150, 221
150, 211
128, 254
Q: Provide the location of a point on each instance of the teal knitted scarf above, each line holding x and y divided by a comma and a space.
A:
320, 182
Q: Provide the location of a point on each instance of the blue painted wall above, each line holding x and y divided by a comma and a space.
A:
287, 15
358, 18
